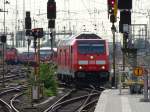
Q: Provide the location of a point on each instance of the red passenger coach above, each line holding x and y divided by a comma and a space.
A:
83, 58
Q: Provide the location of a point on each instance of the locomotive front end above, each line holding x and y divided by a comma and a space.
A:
92, 61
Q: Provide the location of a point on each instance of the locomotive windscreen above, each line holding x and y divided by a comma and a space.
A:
91, 47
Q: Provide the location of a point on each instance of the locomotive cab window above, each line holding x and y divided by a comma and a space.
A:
91, 48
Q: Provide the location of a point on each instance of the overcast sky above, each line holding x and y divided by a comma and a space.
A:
89, 14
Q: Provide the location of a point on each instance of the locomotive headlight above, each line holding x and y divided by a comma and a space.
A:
91, 57
80, 67
103, 67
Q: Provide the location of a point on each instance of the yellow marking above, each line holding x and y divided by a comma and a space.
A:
131, 82
138, 71
115, 8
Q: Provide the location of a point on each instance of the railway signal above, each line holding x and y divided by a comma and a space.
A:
51, 16
124, 4
28, 32
51, 9
51, 23
125, 19
37, 32
110, 4
112, 10
3, 38
28, 20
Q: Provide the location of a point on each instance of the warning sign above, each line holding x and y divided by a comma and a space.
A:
138, 71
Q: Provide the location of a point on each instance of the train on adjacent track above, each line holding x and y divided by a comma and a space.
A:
83, 58
22, 56
10, 55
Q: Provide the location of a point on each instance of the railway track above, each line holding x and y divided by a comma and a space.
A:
76, 101
12, 73
12, 86
13, 100
5, 98
4, 106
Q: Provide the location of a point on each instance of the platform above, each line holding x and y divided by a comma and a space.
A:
112, 101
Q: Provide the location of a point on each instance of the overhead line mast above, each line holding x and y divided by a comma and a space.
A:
14, 38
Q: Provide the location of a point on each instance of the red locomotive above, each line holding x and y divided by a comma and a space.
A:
11, 55
83, 58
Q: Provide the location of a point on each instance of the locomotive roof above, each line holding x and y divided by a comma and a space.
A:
84, 36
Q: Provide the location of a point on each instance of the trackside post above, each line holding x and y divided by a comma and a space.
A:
145, 92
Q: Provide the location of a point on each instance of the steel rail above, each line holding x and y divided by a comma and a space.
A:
61, 99
59, 105
6, 105
13, 100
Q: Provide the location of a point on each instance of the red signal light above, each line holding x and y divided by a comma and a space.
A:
111, 3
